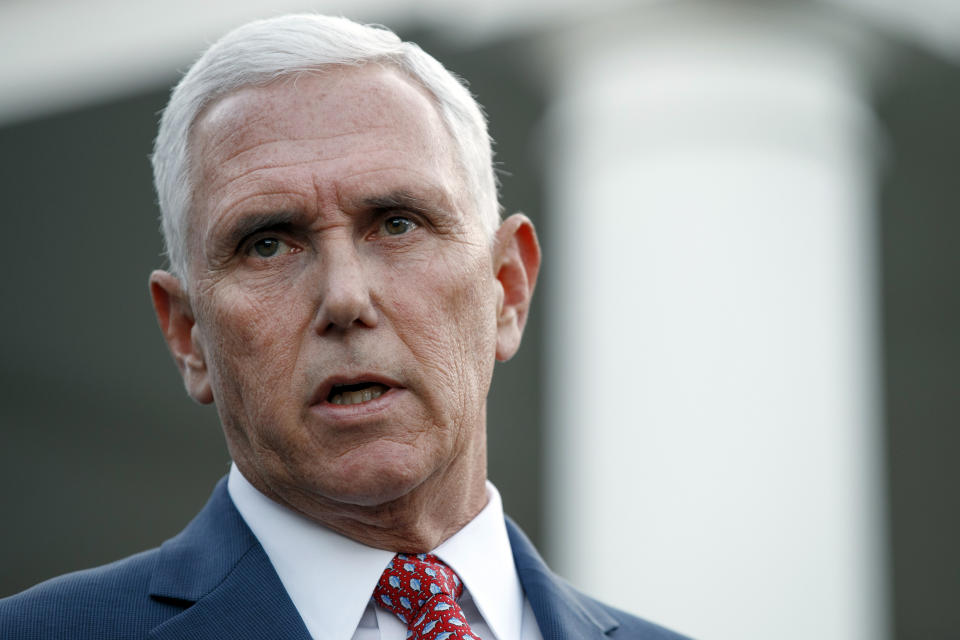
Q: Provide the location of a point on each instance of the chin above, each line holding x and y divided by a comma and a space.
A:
377, 495
374, 480
382, 491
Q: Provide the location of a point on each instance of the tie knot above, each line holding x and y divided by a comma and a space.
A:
422, 591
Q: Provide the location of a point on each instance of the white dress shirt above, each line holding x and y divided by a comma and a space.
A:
330, 578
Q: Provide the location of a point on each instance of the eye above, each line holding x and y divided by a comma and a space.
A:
269, 247
396, 225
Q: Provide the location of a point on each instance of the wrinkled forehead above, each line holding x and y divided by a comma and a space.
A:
334, 101
338, 106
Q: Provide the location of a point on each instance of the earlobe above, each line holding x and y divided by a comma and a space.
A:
175, 316
516, 265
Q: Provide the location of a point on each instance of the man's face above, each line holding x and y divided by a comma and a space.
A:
344, 293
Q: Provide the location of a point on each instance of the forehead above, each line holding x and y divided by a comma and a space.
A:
337, 106
343, 130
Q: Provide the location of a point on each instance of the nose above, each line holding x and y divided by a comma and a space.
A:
345, 291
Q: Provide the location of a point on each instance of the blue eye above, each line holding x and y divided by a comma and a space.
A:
396, 225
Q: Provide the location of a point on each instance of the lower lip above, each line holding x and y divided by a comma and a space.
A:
329, 411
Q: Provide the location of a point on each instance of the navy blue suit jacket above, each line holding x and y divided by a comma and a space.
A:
214, 580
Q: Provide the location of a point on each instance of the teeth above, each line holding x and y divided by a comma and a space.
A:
357, 397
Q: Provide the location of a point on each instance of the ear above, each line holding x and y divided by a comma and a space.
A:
172, 305
516, 263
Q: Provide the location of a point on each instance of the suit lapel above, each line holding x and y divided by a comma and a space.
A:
218, 570
220, 573
561, 612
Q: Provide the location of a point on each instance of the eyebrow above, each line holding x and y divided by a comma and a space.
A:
248, 224
403, 199
245, 225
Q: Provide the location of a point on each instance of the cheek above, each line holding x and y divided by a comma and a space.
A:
447, 317
254, 352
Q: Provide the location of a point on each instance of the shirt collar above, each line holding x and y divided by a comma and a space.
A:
330, 577
480, 554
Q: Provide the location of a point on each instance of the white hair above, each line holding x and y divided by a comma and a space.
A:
266, 50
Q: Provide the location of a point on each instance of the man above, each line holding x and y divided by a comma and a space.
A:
340, 286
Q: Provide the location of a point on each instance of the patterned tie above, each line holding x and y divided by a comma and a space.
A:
422, 591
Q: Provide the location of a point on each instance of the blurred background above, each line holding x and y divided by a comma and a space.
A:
738, 394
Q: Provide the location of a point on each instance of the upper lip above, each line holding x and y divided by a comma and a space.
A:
323, 391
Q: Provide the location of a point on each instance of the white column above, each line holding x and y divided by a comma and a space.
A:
713, 408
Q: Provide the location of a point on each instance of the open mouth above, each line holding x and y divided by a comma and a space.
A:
356, 393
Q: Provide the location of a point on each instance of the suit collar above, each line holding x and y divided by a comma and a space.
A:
219, 571
194, 562
561, 611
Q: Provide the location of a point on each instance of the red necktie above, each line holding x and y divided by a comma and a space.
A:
422, 592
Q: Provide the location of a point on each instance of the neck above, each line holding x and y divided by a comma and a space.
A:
410, 524
415, 522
